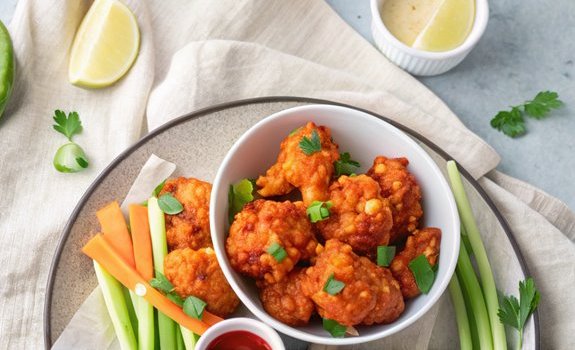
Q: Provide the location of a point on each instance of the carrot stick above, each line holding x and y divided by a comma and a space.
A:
116, 231
101, 251
142, 241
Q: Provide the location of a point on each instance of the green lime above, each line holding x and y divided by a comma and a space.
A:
7, 66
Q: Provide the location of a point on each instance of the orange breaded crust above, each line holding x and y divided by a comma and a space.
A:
197, 273
311, 174
360, 216
401, 188
262, 223
370, 294
191, 227
424, 241
285, 300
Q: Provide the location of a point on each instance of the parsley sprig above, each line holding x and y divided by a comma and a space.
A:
239, 195
514, 313
70, 157
512, 123
310, 146
345, 165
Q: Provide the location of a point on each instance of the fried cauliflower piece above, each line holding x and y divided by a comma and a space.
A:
262, 223
309, 173
285, 300
424, 241
191, 227
400, 187
359, 215
370, 294
197, 273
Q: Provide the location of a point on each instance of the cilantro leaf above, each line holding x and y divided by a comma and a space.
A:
175, 298
345, 165
318, 211
169, 204
161, 283
512, 124
423, 273
239, 195
542, 104
277, 251
67, 126
385, 255
334, 328
194, 307
513, 312
310, 146
333, 286
295, 131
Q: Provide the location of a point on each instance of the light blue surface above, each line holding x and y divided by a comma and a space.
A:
528, 46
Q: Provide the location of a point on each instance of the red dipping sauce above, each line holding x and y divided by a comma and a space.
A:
239, 340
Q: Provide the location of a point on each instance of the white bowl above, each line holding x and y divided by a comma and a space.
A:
420, 62
258, 328
365, 137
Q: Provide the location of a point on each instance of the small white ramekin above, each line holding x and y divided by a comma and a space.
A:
258, 328
419, 62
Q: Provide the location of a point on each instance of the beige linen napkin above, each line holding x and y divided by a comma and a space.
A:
194, 54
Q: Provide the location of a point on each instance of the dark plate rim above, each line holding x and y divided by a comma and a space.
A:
239, 103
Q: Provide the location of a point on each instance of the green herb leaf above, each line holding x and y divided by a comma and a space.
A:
333, 286
334, 328
277, 251
294, 131
512, 124
422, 272
169, 204
318, 211
345, 165
542, 104
385, 255
513, 312
70, 158
310, 146
175, 298
161, 283
69, 126
239, 195
194, 307
158, 189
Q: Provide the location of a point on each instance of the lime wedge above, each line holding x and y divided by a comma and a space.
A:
448, 27
106, 45
6, 67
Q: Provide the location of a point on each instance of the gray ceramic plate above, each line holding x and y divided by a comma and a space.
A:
197, 143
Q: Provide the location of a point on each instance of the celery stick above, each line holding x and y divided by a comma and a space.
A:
190, 338
473, 289
129, 296
179, 340
145, 324
166, 326
465, 342
485, 272
470, 318
117, 309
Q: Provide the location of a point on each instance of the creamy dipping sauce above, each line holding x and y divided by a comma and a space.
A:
431, 25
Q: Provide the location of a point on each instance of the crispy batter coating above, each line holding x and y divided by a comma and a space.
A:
360, 216
389, 303
285, 300
191, 227
262, 223
197, 273
424, 241
370, 294
310, 173
400, 187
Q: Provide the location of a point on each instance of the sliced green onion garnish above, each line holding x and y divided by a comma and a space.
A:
334, 328
333, 286
318, 211
277, 251
70, 158
385, 255
423, 273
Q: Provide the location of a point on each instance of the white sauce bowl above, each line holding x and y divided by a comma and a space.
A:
420, 62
